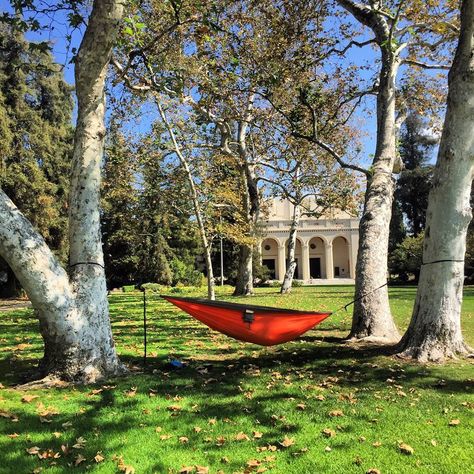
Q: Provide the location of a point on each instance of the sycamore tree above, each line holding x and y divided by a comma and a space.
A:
409, 37
434, 332
226, 56
71, 302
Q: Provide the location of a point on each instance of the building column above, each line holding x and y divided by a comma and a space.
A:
281, 262
329, 261
305, 262
349, 253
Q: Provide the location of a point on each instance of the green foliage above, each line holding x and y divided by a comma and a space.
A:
128, 288
153, 287
35, 136
414, 183
119, 211
406, 259
185, 273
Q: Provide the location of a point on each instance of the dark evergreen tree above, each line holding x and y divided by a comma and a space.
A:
413, 186
35, 138
120, 196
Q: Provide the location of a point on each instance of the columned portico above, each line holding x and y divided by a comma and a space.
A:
326, 248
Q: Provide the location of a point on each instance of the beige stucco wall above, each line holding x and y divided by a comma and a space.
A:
335, 242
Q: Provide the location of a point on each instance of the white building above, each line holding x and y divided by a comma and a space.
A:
326, 248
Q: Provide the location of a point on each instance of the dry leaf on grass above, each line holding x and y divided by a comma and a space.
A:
287, 442
406, 449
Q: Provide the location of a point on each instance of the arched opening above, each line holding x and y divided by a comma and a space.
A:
317, 260
269, 254
340, 252
298, 257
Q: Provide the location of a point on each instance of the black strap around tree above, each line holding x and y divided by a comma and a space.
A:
86, 263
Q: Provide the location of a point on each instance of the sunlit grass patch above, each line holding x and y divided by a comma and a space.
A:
312, 405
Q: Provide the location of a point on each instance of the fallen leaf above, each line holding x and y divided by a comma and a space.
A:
28, 398
174, 408
257, 434
328, 433
377, 444
253, 463
301, 406
186, 470
183, 439
242, 437
124, 467
287, 442
79, 459
13, 435
454, 422
163, 437
225, 460
33, 450
327, 449
434, 443
372, 470
98, 457
406, 449
197, 429
202, 470
336, 413
131, 393
80, 443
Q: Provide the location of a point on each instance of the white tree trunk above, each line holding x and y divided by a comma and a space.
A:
290, 271
372, 318
73, 310
251, 204
211, 294
435, 328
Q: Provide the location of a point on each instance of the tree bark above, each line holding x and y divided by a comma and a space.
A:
372, 317
290, 271
73, 309
251, 206
244, 282
211, 294
434, 333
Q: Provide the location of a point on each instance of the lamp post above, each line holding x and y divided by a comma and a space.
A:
220, 206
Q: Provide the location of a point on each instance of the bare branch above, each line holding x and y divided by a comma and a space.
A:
423, 65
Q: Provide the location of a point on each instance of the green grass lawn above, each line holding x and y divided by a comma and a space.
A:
313, 405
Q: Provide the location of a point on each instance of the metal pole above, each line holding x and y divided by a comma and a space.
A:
144, 326
222, 263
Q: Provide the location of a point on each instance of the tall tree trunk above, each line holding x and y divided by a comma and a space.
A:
244, 282
434, 332
211, 294
73, 310
372, 317
290, 271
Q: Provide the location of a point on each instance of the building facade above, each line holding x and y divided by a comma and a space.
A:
326, 248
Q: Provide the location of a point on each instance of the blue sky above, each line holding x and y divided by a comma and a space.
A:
61, 49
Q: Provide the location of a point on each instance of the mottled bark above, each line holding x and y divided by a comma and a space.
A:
290, 270
244, 281
372, 317
251, 208
73, 309
434, 332
196, 205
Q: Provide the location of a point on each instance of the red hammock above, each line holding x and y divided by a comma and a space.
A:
258, 324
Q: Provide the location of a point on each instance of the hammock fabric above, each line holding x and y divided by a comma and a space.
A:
262, 325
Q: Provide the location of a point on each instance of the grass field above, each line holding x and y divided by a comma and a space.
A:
313, 405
